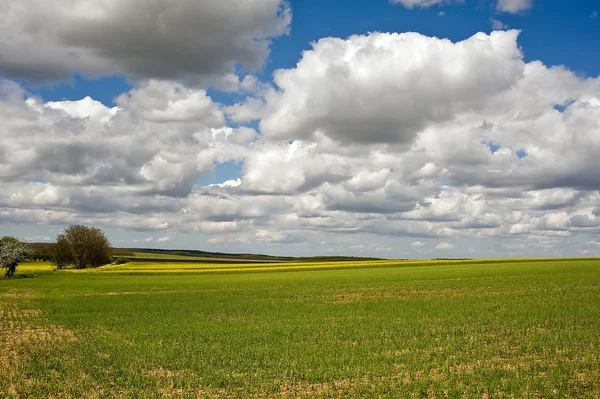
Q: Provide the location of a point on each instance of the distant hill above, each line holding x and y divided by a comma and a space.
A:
40, 245
222, 256
190, 255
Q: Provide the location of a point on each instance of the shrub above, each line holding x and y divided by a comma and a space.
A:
120, 261
61, 253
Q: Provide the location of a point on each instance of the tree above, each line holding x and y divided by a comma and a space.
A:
89, 246
61, 253
12, 252
39, 255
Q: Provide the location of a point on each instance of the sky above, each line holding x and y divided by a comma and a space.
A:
387, 128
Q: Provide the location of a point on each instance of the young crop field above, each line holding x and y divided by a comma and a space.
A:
390, 329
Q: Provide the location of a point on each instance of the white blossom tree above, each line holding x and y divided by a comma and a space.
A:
12, 252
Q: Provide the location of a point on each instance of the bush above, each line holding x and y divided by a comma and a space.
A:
120, 261
61, 253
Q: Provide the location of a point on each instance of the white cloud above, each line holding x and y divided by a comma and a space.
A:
423, 3
386, 88
514, 6
444, 246
164, 239
164, 39
160, 138
417, 244
157, 101
507, 164
288, 168
84, 108
227, 184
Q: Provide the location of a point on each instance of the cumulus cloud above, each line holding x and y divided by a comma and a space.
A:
159, 139
164, 102
514, 6
387, 87
444, 246
517, 153
163, 39
509, 161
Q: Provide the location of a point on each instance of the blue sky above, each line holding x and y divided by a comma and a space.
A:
193, 157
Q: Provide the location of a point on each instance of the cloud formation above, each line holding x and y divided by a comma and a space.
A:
380, 143
160, 39
387, 87
159, 139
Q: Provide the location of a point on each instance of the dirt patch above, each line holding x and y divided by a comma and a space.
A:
161, 373
50, 333
305, 389
23, 334
193, 393
347, 298
403, 294
15, 314
14, 293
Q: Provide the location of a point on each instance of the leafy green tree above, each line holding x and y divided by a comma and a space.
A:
61, 253
89, 245
45, 254
13, 252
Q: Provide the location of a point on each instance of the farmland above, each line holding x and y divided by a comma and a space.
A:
498, 328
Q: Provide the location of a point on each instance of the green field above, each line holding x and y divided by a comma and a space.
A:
511, 329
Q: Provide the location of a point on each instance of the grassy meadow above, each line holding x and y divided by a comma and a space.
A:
391, 329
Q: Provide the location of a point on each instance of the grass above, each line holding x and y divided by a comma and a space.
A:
425, 329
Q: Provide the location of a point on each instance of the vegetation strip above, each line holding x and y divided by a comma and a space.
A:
206, 268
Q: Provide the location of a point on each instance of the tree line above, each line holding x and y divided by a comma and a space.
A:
77, 247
